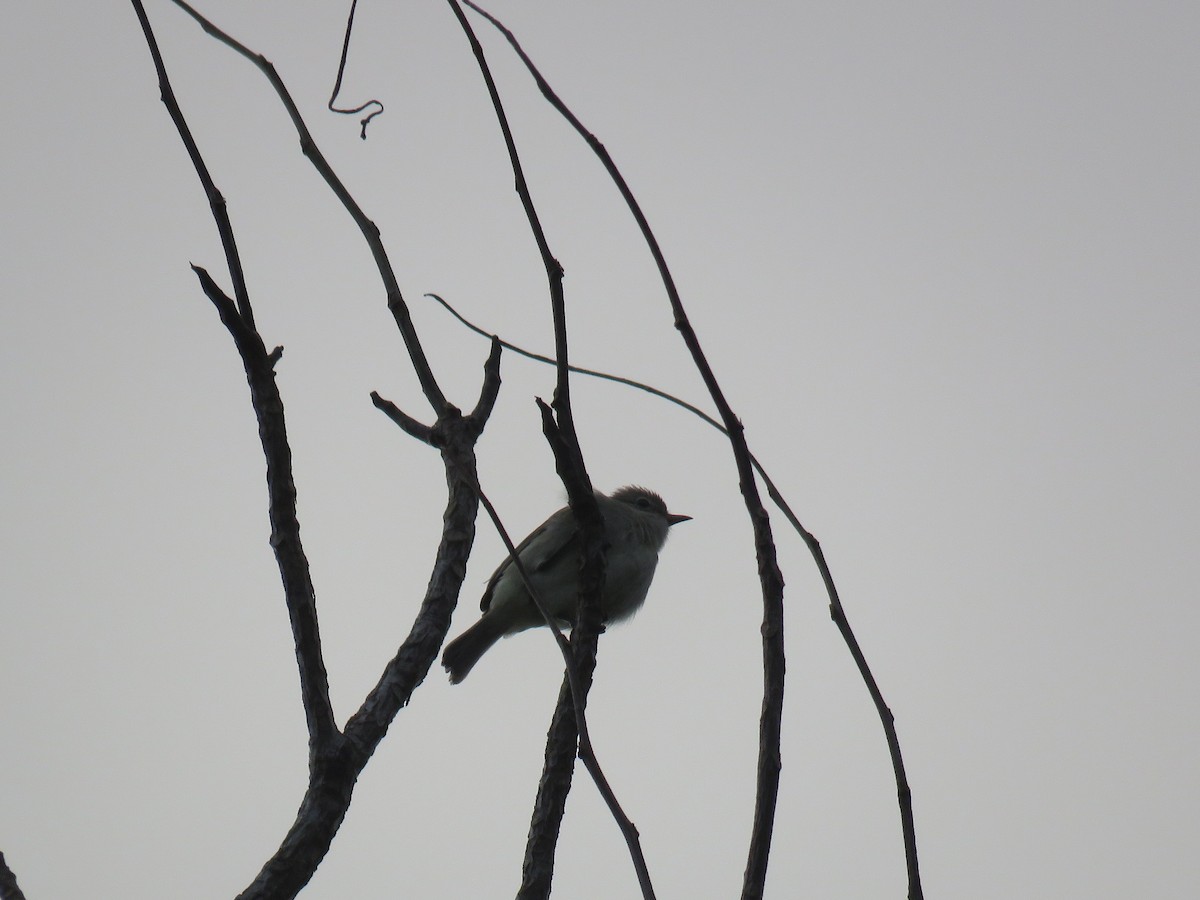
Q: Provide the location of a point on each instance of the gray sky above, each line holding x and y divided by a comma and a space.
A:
944, 260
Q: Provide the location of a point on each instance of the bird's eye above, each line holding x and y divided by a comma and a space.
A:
642, 503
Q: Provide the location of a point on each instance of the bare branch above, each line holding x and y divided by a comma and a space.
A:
407, 423
259, 367
285, 527
454, 436
490, 389
9, 889
537, 869
335, 760
772, 581
553, 788
216, 201
836, 611
559, 429
562, 739
331, 785
594, 373
370, 231
337, 84
769, 574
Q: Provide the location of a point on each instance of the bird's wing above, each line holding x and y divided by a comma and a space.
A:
541, 549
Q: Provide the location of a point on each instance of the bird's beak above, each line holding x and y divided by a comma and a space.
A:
673, 519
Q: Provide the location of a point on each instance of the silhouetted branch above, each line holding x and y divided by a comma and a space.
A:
768, 767
769, 574
260, 374
570, 721
584, 639
490, 389
216, 201
407, 423
559, 429
836, 611
285, 527
337, 84
454, 436
370, 231
537, 869
9, 889
594, 373
337, 758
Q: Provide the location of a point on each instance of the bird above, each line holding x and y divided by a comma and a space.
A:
636, 523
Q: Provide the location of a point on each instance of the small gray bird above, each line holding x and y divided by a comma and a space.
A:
636, 522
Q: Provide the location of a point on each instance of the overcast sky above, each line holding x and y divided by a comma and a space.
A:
944, 258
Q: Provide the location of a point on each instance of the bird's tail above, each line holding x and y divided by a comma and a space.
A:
464, 651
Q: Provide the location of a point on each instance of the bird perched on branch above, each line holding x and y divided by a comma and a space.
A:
636, 523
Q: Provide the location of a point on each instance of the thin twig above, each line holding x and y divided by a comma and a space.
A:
575, 684
216, 201
773, 622
370, 231
836, 611
590, 624
559, 430
771, 718
580, 370
337, 84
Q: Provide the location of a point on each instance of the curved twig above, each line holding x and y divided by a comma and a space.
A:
369, 229
768, 768
337, 84
594, 373
216, 201
770, 577
559, 429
